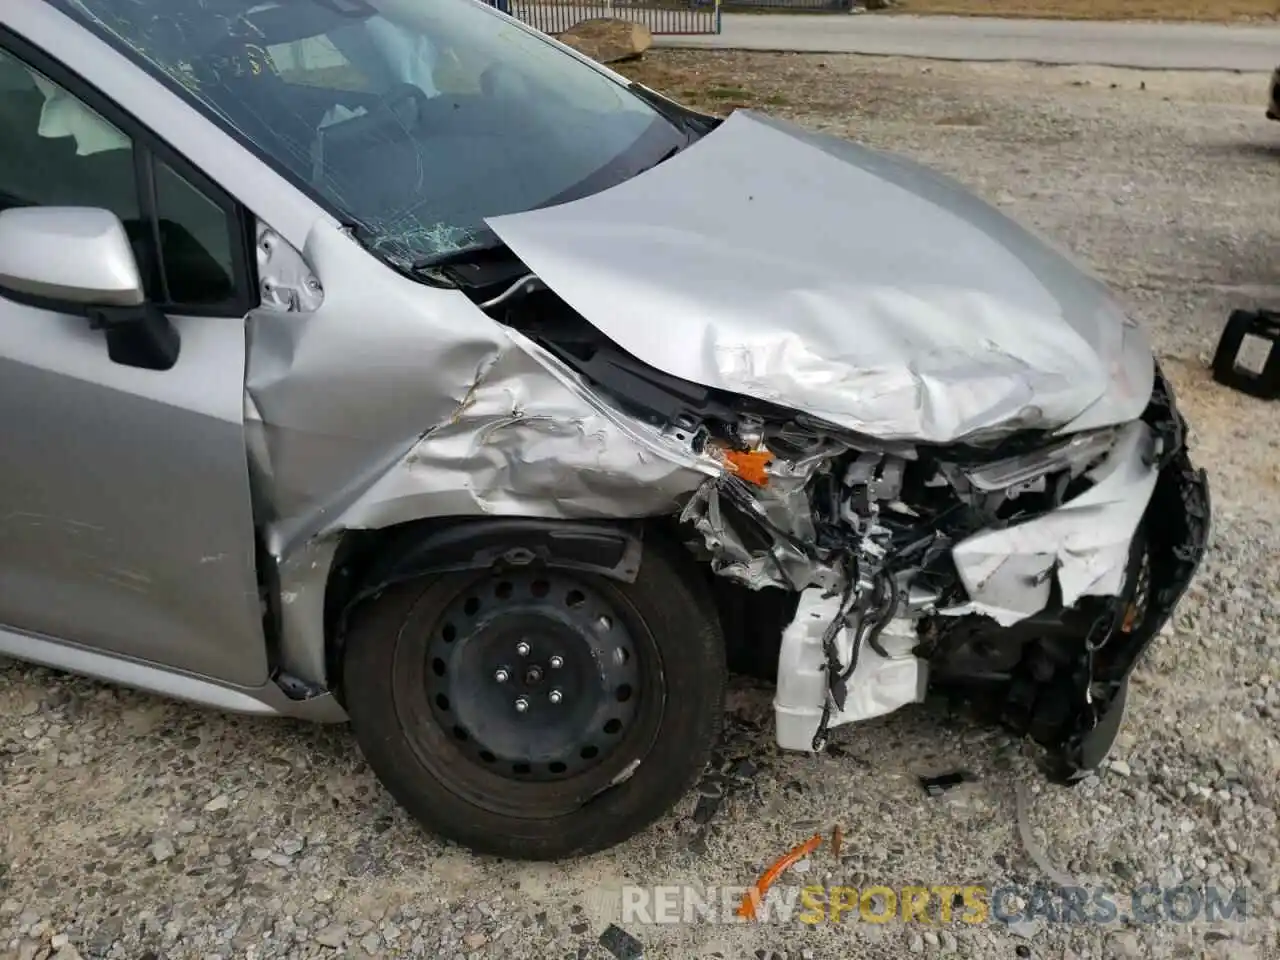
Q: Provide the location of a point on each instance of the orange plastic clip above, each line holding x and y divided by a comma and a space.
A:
755, 895
750, 465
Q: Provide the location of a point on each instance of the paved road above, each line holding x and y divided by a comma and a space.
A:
1174, 46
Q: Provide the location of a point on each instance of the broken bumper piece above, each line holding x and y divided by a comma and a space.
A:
1106, 569
1177, 528
1085, 543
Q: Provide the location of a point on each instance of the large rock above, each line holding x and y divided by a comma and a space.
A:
608, 40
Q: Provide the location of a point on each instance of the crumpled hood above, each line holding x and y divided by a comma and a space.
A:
857, 287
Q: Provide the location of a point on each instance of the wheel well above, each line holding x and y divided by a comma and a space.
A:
752, 622
368, 561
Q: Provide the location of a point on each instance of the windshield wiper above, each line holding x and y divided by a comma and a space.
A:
690, 121
461, 255
423, 268
662, 159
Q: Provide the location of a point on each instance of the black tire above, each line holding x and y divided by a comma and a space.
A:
393, 658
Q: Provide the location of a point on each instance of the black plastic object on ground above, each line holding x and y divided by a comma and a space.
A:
1264, 325
937, 786
621, 944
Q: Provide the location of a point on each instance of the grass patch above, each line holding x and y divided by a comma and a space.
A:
713, 84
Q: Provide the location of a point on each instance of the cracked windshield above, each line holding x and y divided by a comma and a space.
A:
411, 121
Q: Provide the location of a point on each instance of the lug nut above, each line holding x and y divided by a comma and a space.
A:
555, 696
521, 704
522, 648
556, 663
501, 675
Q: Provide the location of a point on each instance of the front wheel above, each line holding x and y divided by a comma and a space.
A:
537, 714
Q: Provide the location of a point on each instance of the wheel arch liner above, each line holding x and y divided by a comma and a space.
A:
610, 550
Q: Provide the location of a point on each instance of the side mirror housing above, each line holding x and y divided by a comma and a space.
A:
79, 260
74, 255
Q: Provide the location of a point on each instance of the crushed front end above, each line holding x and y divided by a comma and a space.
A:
956, 472
1027, 574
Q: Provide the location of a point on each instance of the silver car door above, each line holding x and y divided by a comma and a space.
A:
126, 522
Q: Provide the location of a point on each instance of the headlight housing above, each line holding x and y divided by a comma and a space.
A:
1076, 454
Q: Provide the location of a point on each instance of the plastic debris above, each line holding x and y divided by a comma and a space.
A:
621, 944
1261, 377
937, 786
755, 895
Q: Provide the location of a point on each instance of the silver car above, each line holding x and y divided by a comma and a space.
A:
387, 361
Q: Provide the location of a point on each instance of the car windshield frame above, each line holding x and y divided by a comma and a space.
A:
596, 149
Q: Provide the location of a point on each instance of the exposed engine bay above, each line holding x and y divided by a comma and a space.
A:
1021, 572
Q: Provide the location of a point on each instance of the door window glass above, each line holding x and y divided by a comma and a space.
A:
57, 151
195, 241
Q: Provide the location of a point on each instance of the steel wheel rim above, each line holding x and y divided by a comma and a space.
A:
549, 793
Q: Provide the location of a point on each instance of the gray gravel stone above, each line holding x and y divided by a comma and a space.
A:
333, 935
162, 849
1124, 946
1026, 929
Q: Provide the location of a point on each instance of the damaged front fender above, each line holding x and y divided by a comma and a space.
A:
528, 440
364, 415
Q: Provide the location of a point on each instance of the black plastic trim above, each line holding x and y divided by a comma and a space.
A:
1178, 525
610, 550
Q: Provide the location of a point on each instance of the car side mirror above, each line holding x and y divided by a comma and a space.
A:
77, 255
79, 260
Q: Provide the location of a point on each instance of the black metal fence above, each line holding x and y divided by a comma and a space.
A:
670, 17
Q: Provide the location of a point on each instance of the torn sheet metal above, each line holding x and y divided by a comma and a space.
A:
1085, 542
529, 440
785, 500
763, 556
808, 271
285, 282
423, 406
781, 553
303, 582
877, 686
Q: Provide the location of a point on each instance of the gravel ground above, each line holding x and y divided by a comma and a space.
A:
135, 827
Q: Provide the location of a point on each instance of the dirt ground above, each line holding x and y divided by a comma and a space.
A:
1210, 10
135, 827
